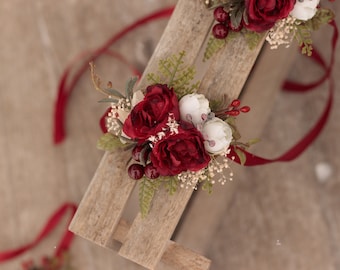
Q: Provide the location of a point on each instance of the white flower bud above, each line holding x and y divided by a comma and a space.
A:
304, 9
217, 135
194, 108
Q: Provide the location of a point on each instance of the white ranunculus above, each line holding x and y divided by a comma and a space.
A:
194, 108
217, 136
304, 9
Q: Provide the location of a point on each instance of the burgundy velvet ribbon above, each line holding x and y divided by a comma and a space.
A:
50, 225
251, 159
297, 149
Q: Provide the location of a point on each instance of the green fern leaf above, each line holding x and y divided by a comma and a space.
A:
213, 46
171, 184
109, 142
147, 189
253, 39
322, 16
174, 73
303, 36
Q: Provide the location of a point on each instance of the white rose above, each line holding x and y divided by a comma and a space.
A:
217, 135
304, 9
194, 108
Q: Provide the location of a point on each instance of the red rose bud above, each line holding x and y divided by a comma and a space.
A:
136, 171
245, 109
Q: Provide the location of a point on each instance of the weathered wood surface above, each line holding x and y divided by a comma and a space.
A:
189, 25
175, 256
281, 202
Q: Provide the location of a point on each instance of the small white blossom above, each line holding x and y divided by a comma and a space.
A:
194, 108
172, 124
217, 135
304, 9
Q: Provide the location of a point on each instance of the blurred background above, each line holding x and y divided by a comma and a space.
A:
279, 216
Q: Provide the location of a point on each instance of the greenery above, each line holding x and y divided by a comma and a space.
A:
147, 189
174, 73
303, 29
109, 142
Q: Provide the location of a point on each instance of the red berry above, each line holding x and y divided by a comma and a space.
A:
151, 171
233, 112
221, 15
235, 103
220, 31
245, 109
136, 171
136, 152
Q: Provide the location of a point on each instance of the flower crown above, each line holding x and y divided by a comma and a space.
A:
177, 138
284, 21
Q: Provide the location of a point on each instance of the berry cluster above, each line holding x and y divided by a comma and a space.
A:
234, 108
221, 29
137, 170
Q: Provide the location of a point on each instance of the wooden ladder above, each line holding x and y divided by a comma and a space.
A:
147, 240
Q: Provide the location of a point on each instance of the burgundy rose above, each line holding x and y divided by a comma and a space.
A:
150, 115
262, 14
180, 152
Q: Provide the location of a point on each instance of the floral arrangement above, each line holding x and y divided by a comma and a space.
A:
282, 21
177, 137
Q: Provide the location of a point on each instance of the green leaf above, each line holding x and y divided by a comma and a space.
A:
147, 189
207, 186
241, 155
109, 142
252, 38
213, 46
303, 36
110, 100
322, 16
171, 184
129, 87
113, 92
211, 4
174, 73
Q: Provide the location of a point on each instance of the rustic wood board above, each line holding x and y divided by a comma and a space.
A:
282, 202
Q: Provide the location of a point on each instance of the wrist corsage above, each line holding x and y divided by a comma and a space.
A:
282, 21
177, 137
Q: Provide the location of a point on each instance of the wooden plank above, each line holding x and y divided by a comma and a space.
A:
204, 207
153, 232
91, 221
102, 206
175, 256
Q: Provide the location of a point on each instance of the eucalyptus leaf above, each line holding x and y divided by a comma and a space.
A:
113, 92
110, 100
129, 87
